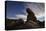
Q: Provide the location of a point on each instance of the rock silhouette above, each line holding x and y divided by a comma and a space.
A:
31, 15
31, 19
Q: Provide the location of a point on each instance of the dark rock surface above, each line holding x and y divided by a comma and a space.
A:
31, 15
31, 19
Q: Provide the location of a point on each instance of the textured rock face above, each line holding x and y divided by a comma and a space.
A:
31, 19
31, 15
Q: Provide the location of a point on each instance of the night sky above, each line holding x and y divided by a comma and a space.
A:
17, 10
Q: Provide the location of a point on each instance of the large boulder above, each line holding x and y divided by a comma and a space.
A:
31, 15
31, 19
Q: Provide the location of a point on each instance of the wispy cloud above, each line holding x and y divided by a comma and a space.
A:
24, 17
41, 18
19, 16
37, 8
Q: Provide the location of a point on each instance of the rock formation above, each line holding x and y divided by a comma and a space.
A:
31, 15
31, 19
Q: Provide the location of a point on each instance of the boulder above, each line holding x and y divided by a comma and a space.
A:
31, 19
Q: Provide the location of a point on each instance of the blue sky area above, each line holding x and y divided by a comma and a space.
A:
17, 10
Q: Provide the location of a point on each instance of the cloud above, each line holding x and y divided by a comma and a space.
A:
19, 16
37, 8
41, 18
12, 17
24, 17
